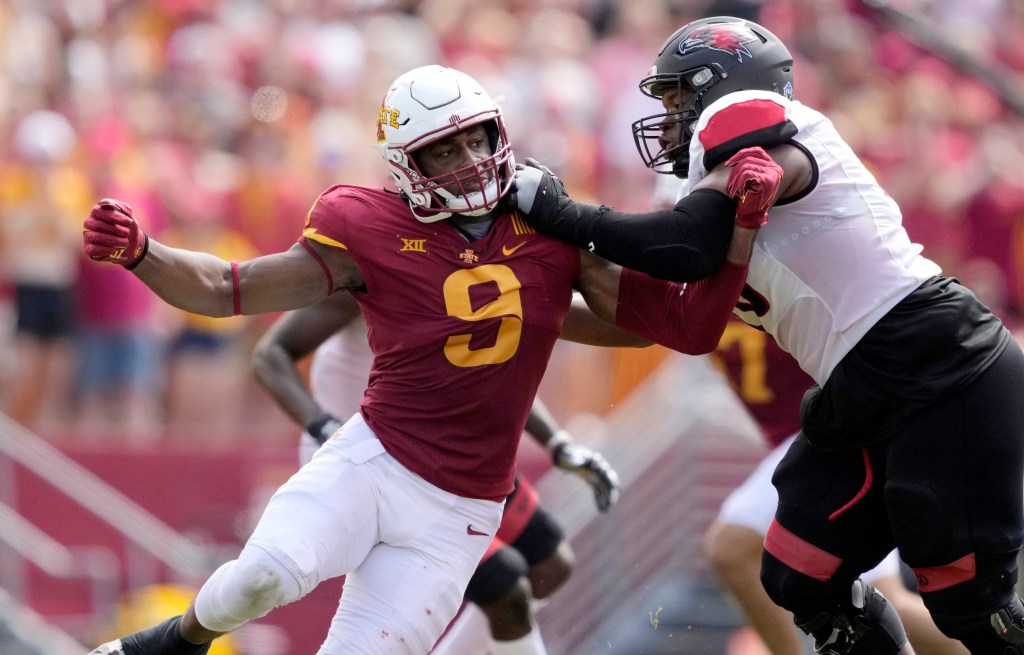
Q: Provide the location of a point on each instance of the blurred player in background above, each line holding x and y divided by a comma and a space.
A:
770, 384
463, 303
529, 557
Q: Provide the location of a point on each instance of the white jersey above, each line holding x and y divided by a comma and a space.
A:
830, 263
338, 376
340, 370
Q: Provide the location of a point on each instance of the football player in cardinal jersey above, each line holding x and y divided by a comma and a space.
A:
463, 302
913, 433
529, 556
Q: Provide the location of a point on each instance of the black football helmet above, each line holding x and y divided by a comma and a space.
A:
707, 59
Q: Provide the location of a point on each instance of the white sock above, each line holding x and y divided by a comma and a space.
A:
531, 644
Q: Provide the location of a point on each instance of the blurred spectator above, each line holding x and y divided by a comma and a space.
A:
42, 199
121, 328
207, 357
119, 381
270, 199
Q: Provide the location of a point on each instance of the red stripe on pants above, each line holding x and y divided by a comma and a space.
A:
799, 555
934, 578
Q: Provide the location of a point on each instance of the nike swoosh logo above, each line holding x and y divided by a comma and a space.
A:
505, 250
470, 530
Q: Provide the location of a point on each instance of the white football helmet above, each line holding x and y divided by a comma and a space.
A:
428, 104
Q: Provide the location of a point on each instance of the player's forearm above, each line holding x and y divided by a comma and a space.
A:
203, 284
681, 244
193, 281
584, 326
591, 317
741, 246
688, 319
541, 424
274, 368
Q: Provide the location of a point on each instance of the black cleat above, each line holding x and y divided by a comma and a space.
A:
163, 639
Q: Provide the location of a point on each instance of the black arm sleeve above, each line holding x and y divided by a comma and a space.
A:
682, 244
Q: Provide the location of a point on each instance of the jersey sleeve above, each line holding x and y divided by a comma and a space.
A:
325, 222
742, 120
689, 318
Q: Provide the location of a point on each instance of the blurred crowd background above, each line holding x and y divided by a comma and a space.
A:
220, 121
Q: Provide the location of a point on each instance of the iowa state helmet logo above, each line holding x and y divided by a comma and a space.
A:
724, 37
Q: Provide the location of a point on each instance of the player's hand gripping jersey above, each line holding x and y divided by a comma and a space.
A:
487, 313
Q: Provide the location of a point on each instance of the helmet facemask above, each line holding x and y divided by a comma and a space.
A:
472, 190
675, 158
424, 107
707, 60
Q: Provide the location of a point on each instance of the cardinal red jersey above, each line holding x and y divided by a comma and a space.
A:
765, 377
461, 332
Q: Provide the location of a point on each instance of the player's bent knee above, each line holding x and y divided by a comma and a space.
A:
713, 545
496, 576
963, 610
548, 575
732, 549
501, 589
509, 616
244, 589
794, 591
1001, 631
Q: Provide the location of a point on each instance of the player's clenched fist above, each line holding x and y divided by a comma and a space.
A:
112, 235
753, 182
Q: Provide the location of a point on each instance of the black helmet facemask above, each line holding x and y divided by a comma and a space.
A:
707, 59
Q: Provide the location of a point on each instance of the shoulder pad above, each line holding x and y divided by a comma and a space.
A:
742, 120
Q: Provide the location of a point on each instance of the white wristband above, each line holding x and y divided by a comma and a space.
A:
557, 439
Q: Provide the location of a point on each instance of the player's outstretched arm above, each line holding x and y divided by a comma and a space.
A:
574, 458
274, 361
691, 318
681, 244
688, 317
204, 284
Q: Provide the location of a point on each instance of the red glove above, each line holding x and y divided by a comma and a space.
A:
753, 182
112, 235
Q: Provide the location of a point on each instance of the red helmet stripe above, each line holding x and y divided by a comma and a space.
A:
739, 119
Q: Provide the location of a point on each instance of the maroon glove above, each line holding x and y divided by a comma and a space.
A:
753, 182
112, 235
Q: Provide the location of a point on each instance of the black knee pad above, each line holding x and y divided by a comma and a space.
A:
540, 538
496, 576
864, 624
964, 610
799, 593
